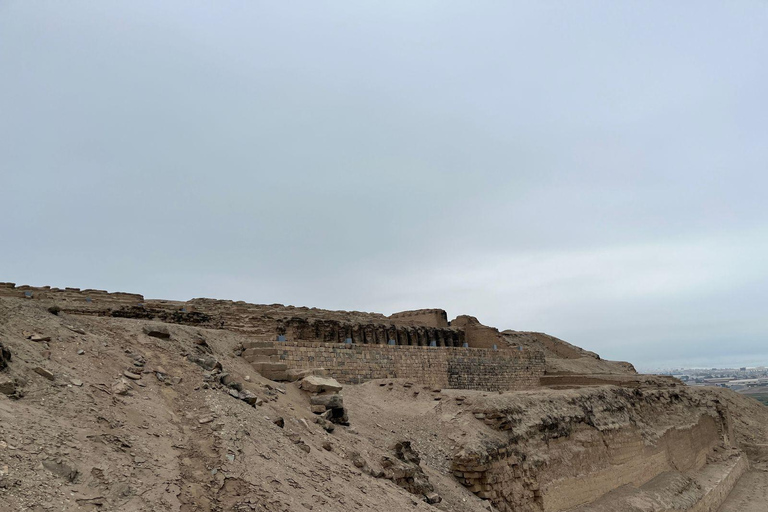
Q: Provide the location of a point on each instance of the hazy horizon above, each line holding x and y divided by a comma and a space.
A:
593, 170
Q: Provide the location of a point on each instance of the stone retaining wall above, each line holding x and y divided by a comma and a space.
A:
716, 495
444, 367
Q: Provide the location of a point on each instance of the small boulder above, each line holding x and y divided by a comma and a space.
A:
433, 498
207, 362
294, 374
315, 384
248, 397
328, 401
5, 357
122, 387
8, 386
325, 424
157, 331
43, 372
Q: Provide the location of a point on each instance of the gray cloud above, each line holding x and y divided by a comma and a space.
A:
593, 170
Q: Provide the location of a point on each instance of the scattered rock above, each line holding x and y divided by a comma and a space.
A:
294, 374
205, 419
405, 470
328, 401
358, 460
325, 424
433, 498
80, 352
157, 331
122, 387
131, 375
315, 384
39, 338
43, 372
9, 387
207, 362
298, 441
75, 329
76, 382
280, 422
61, 469
54, 310
327, 446
333, 405
249, 398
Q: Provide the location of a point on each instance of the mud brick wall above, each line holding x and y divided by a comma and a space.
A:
428, 317
445, 367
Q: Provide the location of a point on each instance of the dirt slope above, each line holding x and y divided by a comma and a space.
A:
95, 414
75, 443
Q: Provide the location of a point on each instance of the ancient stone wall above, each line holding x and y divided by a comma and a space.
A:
425, 317
716, 495
444, 367
68, 294
476, 334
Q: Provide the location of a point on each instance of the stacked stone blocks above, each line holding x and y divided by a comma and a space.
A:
444, 367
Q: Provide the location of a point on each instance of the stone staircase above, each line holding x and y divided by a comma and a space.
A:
264, 359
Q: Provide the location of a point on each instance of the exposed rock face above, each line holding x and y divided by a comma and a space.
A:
5, 357
405, 470
557, 451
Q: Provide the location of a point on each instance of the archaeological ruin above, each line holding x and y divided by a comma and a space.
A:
529, 422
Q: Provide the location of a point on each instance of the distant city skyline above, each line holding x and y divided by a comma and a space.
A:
592, 170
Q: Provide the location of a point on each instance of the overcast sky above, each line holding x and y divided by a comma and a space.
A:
594, 170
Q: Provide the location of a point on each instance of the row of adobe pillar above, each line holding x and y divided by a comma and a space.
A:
329, 331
